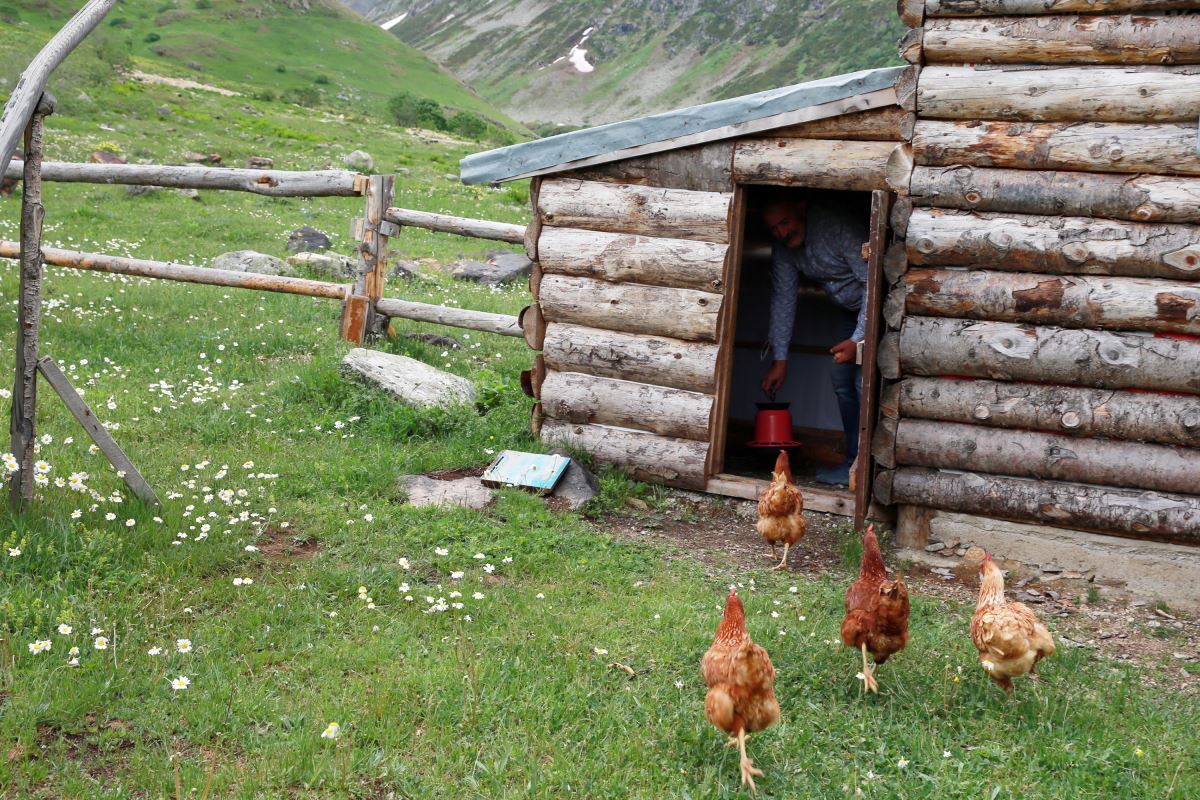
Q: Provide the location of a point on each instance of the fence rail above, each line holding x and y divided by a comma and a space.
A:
462, 226
271, 182
32, 83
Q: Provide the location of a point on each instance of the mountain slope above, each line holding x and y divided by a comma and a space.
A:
592, 61
310, 52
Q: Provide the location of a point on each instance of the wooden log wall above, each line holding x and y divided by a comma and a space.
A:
1044, 316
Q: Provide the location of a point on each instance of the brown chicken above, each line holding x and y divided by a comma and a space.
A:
1008, 636
741, 684
781, 510
876, 611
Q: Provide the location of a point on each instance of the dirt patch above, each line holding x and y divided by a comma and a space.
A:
719, 533
455, 474
181, 83
284, 545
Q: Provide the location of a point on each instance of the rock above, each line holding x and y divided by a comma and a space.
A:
409, 380
501, 267
934, 547
251, 261
403, 269
637, 503
307, 239
577, 485
202, 158
423, 491
326, 265
359, 161
137, 191
1051, 569
434, 340
960, 552
450, 176
105, 157
259, 162
191, 194
83, 97
164, 110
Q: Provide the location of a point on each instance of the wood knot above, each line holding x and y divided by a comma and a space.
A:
972, 197
702, 302
613, 302
1071, 419
982, 412
678, 356
924, 245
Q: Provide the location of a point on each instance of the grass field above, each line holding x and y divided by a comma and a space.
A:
474, 661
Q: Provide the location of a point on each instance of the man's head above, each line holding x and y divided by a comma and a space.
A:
785, 215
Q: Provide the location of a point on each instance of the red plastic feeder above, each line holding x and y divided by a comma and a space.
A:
773, 426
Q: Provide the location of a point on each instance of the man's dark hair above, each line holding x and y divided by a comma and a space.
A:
780, 197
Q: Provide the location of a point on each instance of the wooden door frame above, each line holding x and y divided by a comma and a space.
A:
881, 202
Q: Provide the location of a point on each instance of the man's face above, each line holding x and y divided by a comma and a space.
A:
786, 224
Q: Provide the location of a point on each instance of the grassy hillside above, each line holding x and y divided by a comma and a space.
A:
317, 54
647, 56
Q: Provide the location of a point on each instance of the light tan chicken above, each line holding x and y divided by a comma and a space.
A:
781, 510
1008, 636
741, 684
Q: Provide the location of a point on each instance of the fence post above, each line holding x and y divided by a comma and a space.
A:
29, 307
359, 318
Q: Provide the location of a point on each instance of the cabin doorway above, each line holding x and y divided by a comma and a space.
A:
822, 425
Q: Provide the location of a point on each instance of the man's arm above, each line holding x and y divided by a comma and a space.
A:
784, 284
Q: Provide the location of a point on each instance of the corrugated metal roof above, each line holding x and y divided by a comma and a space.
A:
523, 159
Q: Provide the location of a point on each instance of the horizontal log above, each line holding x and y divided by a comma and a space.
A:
1059, 39
1068, 301
1082, 146
1141, 198
461, 226
1152, 515
575, 397
1133, 416
631, 308
646, 456
271, 182
622, 208
1005, 351
1097, 94
655, 360
886, 124
623, 257
1070, 245
703, 168
816, 163
502, 324
1049, 456
163, 270
997, 8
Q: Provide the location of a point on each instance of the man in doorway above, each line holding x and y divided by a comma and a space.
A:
821, 243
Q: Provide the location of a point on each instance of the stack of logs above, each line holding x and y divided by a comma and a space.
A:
1048, 209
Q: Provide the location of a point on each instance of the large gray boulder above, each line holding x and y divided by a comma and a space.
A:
307, 239
359, 161
251, 261
325, 265
409, 380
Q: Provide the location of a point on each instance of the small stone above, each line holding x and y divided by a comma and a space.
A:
138, 191
359, 160
450, 176
164, 110
259, 162
637, 503
202, 158
935, 547
578, 486
962, 551
432, 339
190, 194
953, 544
307, 239
1051, 569
403, 269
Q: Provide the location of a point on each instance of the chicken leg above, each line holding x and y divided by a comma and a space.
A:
869, 683
748, 768
782, 564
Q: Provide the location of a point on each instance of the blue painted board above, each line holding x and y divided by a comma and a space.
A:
527, 470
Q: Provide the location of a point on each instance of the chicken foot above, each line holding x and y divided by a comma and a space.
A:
869, 682
748, 768
782, 564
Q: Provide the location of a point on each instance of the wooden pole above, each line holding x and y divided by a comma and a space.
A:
460, 226
269, 182
22, 421
502, 324
100, 435
359, 312
815, 163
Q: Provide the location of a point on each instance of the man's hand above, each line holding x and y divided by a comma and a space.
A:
844, 352
774, 378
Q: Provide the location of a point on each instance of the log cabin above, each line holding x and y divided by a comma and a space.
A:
1029, 188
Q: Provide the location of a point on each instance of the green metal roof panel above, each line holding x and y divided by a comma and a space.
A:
505, 163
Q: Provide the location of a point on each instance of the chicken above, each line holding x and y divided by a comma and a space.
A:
781, 510
1008, 636
876, 611
741, 684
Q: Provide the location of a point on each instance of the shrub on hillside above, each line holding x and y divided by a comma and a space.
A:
414, 111
305, 96
151, 37
467, 124
203, 4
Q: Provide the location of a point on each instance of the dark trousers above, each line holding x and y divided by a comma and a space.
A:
847, 387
